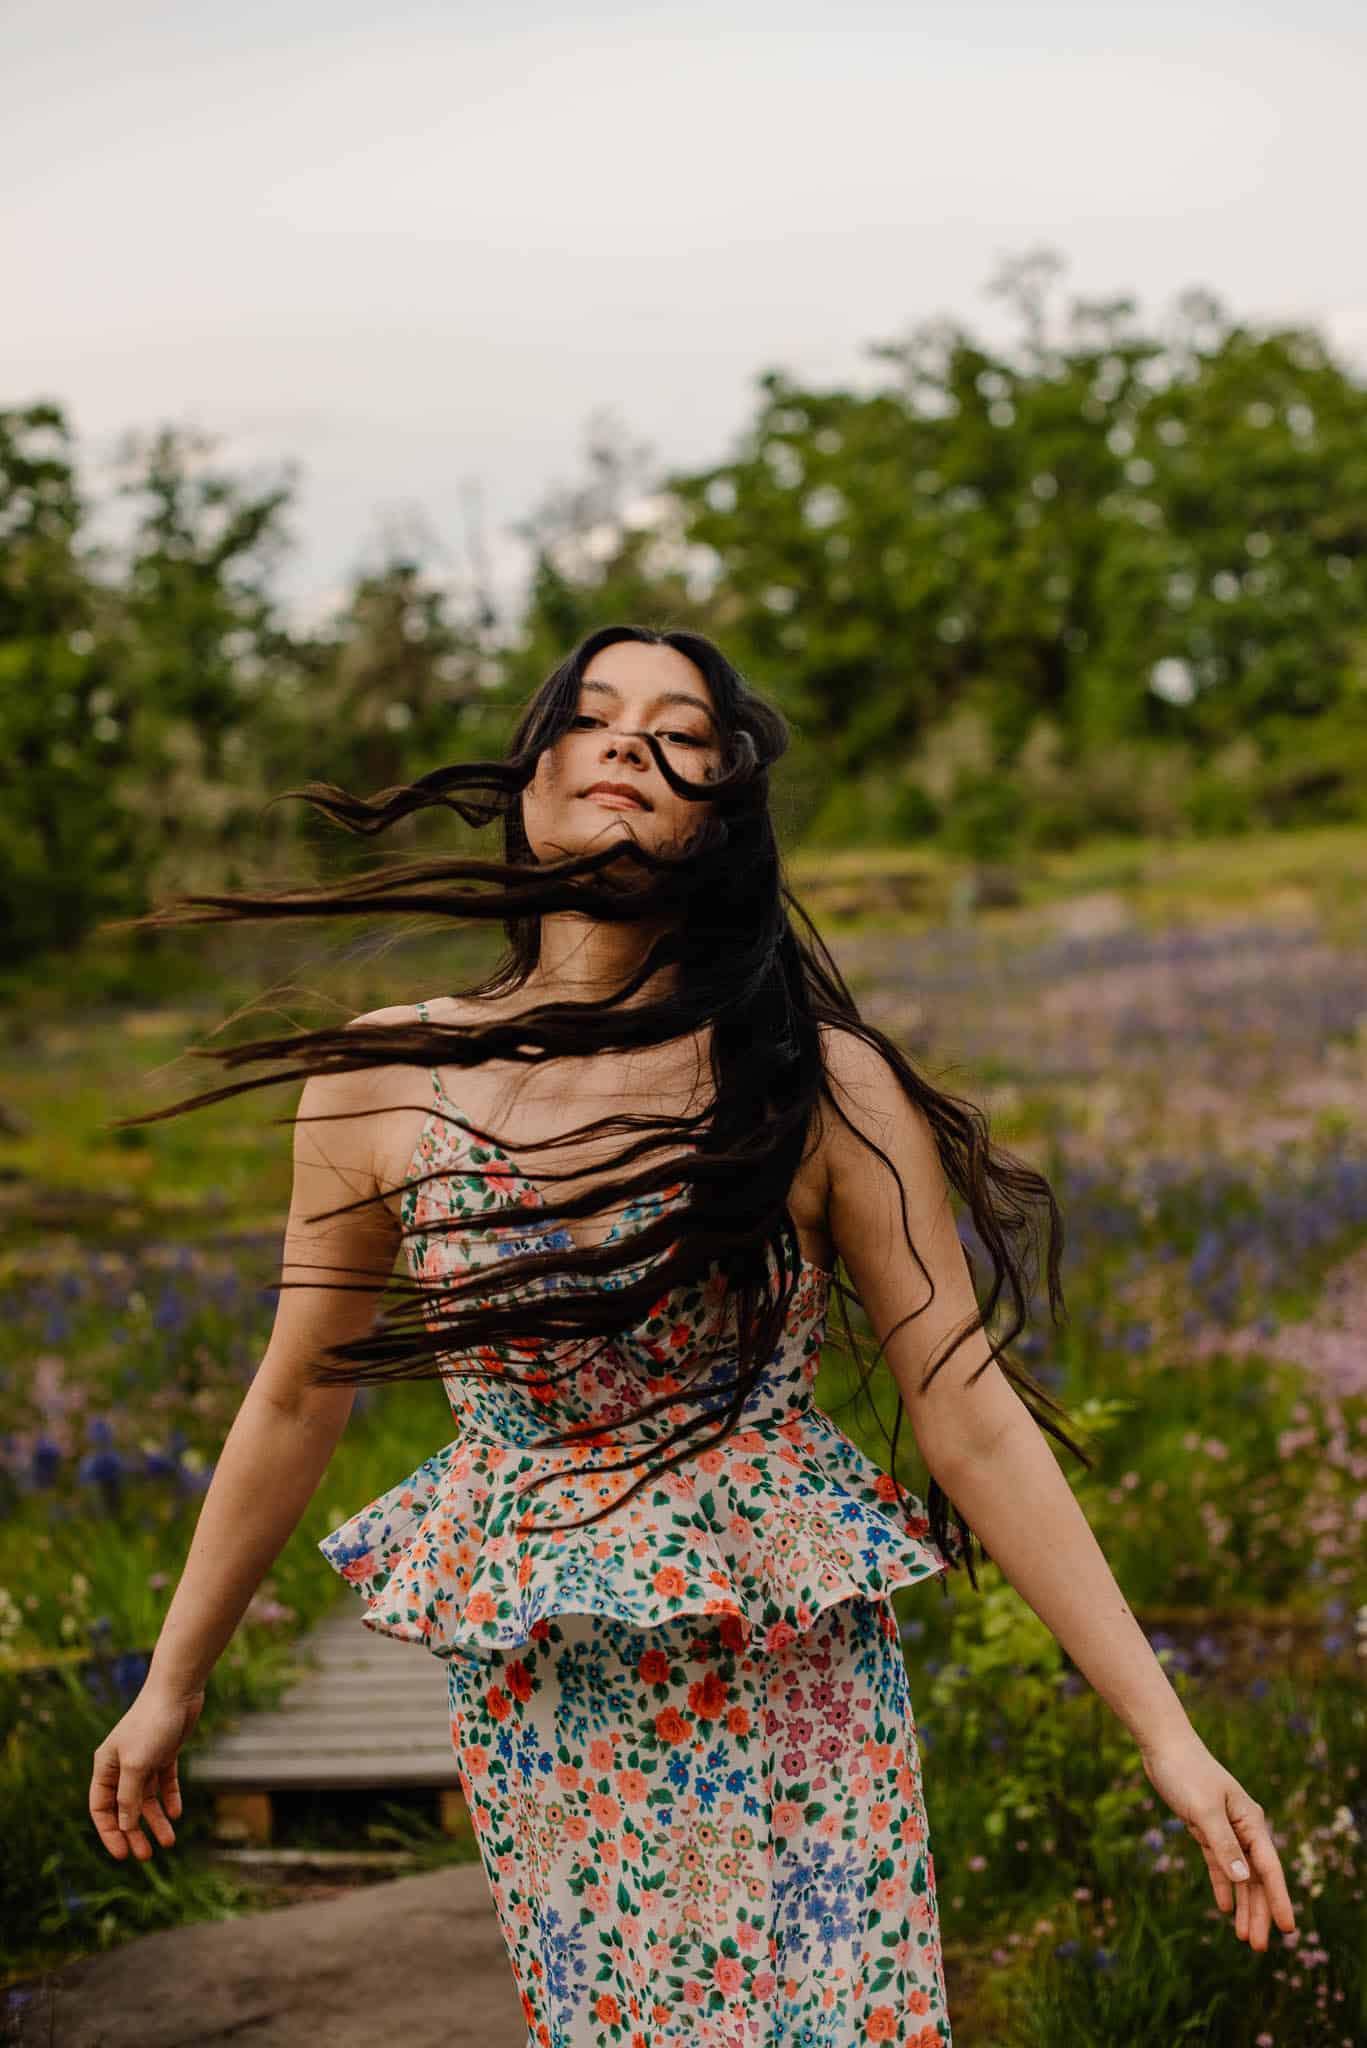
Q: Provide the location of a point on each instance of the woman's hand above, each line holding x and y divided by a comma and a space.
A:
1232, 1830
135, 1772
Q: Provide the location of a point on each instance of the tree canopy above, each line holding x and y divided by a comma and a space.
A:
1106, 576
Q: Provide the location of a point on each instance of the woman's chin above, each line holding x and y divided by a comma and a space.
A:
615, 825
575, 839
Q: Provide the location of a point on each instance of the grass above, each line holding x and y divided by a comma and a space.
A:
1177, 1098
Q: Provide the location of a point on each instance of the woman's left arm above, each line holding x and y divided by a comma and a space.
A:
1020, 1506
994, 1462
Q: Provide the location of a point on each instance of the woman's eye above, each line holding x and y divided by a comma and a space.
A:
689, 739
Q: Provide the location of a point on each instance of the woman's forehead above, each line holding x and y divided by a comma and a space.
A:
650, 692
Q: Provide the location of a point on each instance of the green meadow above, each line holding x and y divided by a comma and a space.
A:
1176, 1034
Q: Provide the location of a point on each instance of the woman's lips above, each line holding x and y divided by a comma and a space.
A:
615, 802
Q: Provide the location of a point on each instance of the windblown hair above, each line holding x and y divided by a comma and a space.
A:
729, 929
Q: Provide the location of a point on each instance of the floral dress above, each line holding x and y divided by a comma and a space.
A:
684, 1732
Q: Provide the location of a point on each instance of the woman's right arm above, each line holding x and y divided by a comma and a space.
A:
274, 1455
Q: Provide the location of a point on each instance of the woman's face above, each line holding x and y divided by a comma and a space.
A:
628, 688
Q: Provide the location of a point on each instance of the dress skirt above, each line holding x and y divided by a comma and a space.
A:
695, 1845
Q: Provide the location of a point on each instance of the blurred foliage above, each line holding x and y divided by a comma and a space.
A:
1109, 580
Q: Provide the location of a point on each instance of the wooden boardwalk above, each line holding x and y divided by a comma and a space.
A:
369, 1714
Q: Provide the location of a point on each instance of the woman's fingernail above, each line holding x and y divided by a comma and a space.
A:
1238, 1868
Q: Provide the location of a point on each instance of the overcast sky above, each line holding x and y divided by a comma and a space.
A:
417, 247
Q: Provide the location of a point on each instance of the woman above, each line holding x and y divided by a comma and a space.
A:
658, 1576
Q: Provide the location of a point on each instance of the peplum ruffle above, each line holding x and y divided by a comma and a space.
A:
782, 1520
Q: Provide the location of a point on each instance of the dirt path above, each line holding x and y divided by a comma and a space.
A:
417, 1960
420, 1960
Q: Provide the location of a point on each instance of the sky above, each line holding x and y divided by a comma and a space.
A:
419, 250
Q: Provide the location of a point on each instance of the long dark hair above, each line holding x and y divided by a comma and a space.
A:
729, 927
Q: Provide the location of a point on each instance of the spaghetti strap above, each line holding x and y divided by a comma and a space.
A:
437, 1090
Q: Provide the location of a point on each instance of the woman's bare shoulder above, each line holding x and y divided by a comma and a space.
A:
380, 1145
382, 1085
848, 1056
874, 1106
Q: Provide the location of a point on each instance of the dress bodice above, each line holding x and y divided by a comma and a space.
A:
643, 1361
764, 1529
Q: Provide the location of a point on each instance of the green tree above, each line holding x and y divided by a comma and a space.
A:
1133, 534
69, 852
204, 626
610, 547
401, 674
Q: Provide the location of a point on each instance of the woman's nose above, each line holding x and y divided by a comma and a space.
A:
629, 742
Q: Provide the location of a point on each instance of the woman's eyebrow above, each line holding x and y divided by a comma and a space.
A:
664, 697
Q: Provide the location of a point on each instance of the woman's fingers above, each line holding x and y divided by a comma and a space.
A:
154, 1814
1236, 1839
1273, 1898
103, 1802
135, 1783
1231, 1829
171, 1801
131, 1779
122, 1797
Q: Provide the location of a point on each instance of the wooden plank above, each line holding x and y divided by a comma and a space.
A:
361, 1721
350, 1773
354, 1690
366, 1711
428, 1677
269, 1747
329, 1861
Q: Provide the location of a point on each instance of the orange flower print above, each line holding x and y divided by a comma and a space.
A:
728, 1975
520, 1680
707, 1697
622, 1834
